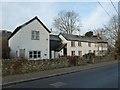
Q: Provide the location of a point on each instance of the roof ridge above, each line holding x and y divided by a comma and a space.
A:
71, 37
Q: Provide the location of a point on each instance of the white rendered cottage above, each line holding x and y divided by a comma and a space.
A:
77, 45
30, 40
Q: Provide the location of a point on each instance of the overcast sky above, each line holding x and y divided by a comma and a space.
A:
91, 13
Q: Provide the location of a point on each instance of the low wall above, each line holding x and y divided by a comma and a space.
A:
19, 66
15, 66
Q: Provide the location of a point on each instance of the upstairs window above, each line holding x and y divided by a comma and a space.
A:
89, 44
35, 35
72, 44
79, 43
105, 46
96, 45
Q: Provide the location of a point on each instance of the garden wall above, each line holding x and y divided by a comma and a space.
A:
18, 66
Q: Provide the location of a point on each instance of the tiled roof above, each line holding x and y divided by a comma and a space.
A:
56, 43
55, 38
61, 46
71, 37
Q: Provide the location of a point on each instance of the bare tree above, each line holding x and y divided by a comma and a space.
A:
118, 45
67, 22
118, 41
110, 31
5, 48
101, 32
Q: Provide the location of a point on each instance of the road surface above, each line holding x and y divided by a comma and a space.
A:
102, 77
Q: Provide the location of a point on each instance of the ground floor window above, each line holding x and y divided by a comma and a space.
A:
72, 53
90, 51
79, 53
21, 52
34, 54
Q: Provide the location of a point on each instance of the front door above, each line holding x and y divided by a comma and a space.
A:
22, 53
65, 51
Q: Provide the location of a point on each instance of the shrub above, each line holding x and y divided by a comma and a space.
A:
89, 54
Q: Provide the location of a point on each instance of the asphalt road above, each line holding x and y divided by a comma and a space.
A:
102, 77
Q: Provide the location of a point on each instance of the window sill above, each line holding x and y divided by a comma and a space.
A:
35, 39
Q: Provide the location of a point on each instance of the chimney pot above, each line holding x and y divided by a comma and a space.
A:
98, 36
78, 32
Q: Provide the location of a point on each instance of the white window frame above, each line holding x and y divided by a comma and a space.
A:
79, 44
79, 53
72, 54
72, 43
35, 35
89, 44
96, 45
33, 55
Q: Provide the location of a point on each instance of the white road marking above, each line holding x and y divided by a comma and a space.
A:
58, 84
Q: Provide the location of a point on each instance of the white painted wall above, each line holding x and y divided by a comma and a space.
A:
63, 39
84, 47
57, 54
54, 54
22, 40
61, 52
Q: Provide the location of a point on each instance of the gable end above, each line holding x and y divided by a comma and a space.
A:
21, 26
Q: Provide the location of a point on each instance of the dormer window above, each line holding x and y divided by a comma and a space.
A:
35, 35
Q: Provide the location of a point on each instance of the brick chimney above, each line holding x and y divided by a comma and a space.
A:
98, 36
